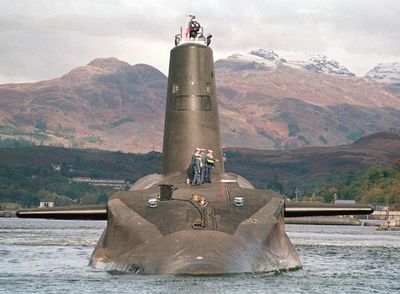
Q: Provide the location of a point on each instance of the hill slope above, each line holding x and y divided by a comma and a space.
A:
307, 169
286, 104
107, 104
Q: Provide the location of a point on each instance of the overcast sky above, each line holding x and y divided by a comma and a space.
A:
44, 39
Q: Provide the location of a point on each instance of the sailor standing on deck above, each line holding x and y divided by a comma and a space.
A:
210, 163
196, 165
196, 151
203, 165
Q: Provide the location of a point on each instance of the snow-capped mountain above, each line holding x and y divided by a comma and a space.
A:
264, 58
253, 60
385, 73
266, 55
316, 63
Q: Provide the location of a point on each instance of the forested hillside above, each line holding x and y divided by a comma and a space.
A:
367, 170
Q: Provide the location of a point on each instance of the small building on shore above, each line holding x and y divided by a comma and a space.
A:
340, 201
115, 183
9, 206
46, 204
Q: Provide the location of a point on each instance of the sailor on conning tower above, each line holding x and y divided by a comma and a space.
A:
193, 28
193, 34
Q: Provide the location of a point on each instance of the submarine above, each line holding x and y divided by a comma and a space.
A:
164, 225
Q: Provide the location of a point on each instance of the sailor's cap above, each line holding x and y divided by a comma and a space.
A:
209, 150
198, 149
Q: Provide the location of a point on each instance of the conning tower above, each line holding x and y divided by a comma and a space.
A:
191, 117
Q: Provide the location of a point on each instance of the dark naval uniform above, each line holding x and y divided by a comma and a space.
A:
209, 165
194, 27
196, 171
203, 168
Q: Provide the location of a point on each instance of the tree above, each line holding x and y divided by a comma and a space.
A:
41, 125
102, 199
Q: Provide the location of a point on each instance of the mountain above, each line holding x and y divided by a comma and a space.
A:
266, 101
107, 104
311, 168
385, 73
258, 59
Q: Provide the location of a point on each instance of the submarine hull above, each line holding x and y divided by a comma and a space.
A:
162, 240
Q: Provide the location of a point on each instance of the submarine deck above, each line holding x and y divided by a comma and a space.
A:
183, 210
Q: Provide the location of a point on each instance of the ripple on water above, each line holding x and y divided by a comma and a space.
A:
52, 257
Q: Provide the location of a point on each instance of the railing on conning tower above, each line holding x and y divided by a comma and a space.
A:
181, 39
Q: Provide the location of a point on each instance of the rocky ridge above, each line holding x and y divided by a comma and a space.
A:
263, 58
385, 73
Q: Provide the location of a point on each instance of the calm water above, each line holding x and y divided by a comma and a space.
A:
44, 256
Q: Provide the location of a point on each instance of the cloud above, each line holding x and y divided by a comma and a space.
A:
45, 39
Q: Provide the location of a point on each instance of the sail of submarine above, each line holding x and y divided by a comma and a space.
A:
193, 230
